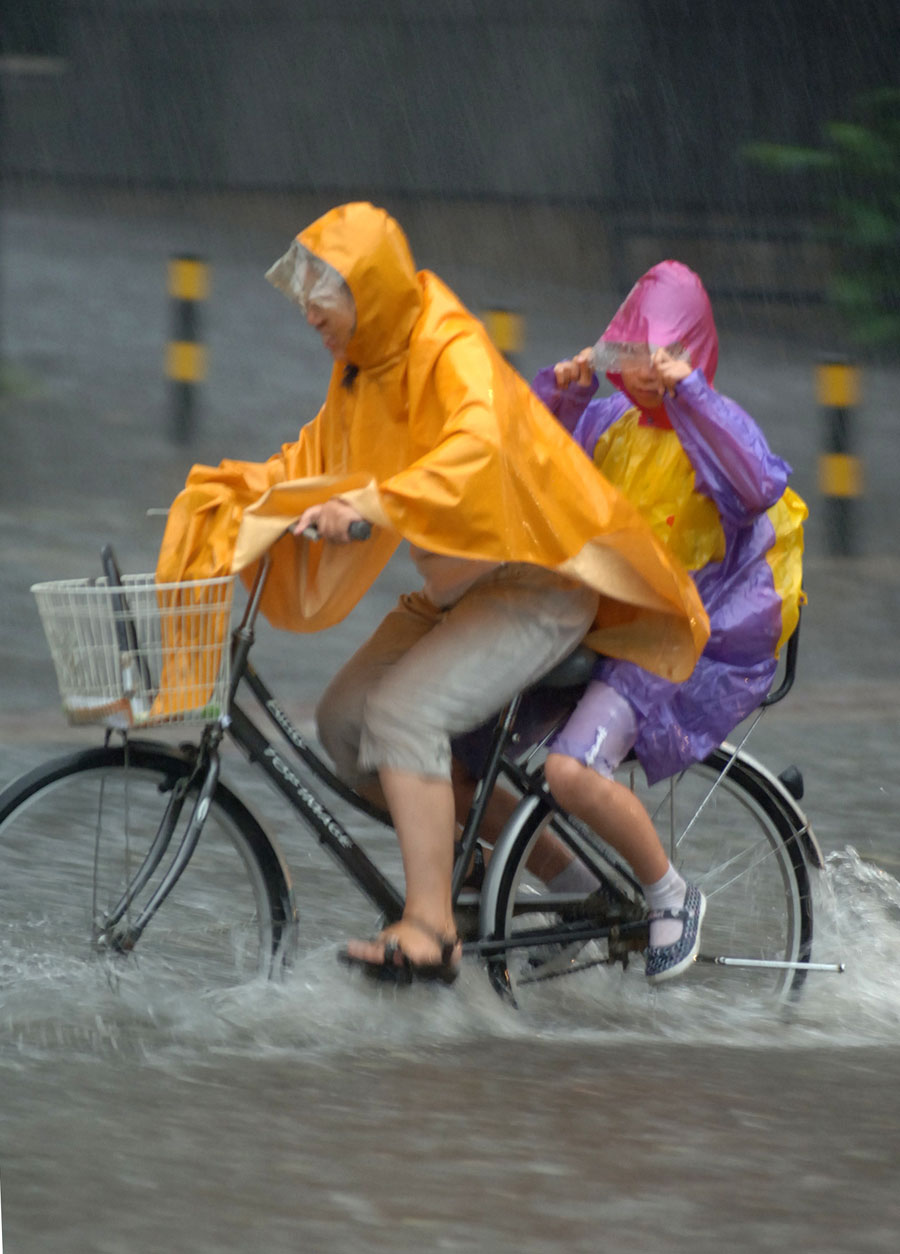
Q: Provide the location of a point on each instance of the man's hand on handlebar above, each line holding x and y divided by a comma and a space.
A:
332, 521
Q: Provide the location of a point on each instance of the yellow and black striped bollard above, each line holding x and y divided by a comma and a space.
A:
506, 330
186, 354
840, 470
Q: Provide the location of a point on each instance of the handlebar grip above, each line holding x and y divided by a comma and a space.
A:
358, 530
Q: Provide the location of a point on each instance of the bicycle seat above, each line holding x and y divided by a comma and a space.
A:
573, 671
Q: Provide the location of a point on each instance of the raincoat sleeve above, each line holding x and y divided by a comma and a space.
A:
566, 404
205, 517
732, 462
584, 418
199, 543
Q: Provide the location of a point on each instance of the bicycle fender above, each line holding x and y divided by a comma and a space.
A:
496, 864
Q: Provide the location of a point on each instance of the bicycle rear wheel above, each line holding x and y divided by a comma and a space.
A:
735, 842
76, 832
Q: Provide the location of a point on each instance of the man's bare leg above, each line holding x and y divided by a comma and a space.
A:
422, 809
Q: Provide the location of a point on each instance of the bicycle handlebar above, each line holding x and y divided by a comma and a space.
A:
360, 529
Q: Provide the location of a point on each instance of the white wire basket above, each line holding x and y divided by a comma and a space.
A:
139, 653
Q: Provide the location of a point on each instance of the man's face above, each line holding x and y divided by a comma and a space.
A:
335, 323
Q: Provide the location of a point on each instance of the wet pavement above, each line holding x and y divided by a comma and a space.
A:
326, 1117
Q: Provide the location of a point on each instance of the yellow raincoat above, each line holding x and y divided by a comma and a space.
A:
437, 441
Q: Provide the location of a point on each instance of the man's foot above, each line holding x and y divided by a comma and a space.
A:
664, 962
407, 951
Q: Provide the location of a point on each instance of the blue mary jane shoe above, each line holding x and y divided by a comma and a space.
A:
664, 962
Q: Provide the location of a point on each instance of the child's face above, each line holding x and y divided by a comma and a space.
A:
335, 323
647, 376
643, 384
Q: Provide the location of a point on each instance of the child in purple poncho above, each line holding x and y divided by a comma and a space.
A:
700, 470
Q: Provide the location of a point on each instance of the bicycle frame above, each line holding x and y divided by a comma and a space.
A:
330, 832
263, 753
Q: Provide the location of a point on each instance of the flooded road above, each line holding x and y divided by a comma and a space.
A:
324, 1115
563, 1147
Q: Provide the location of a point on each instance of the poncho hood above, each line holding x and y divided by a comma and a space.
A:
370, 252
668, 306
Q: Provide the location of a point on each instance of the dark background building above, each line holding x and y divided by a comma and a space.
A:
632, 112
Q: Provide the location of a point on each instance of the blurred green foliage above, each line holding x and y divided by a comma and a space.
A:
856, 179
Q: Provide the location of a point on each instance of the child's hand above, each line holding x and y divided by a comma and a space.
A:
578, 370
669, 370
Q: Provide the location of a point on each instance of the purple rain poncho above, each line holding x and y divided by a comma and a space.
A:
701, 472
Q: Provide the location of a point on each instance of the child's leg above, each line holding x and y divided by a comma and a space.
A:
612, 810
579, 770
583, 756
550, 860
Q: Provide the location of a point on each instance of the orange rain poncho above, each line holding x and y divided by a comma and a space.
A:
438, 441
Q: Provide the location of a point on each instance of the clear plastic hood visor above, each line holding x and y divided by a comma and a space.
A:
307, 280
613, 358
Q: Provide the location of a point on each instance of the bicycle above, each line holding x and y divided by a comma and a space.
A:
139, 847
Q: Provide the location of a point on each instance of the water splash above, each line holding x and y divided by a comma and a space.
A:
319, 1010
857, 922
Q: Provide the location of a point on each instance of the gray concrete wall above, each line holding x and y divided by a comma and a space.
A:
640, 104
451, 98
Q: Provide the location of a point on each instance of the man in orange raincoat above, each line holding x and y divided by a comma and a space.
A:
524, 548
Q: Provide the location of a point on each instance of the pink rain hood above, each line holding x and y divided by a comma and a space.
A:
667, 307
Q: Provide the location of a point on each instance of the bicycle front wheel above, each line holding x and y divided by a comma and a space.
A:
79, 835
725, 829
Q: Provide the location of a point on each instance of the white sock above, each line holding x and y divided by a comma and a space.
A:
667, 893
575, 878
